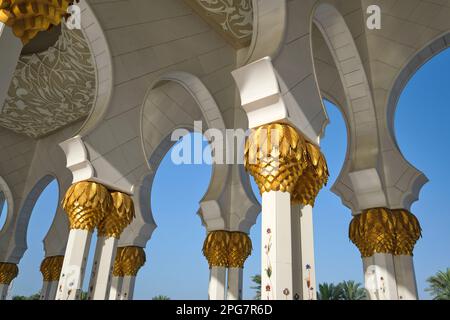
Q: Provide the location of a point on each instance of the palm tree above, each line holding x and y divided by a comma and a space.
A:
161, 297
350, 290
329, 292
440, 285
257, 281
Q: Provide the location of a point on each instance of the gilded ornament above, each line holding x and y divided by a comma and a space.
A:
281, 159
381, 230
28, 17
8, 271
215, 248
86, 204
51, 268
407, 232
239, 248
119, 218
128, 261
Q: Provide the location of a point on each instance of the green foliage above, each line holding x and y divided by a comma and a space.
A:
350, 290
345, 290
35, 296
161, 297
257, 281
329, 292
439, 285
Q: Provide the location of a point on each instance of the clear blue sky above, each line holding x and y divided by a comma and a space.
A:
175, 265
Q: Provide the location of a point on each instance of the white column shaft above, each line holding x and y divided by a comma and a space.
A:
105, 253
48, 291
3, 291
74, 265
44, 290
308, 260
116, 286
217, 280
235, 281
276, 255
297, 263
303, 263
379, 277
11, 46
127, 289
405, 277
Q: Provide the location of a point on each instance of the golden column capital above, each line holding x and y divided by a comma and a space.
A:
51, 268
382, 230
281, 159
86, 204
407, 232
215, 248
239, 248
119, 218
28, 17
128, 261
8, 271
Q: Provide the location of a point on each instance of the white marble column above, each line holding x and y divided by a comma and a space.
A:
105, 253
127, 288
74, 265
109, 231
127, 263
48, 291
217, 280
235, 283
276, 255
304, 277
11, 46
308, 259
116, 287
405, 277
3, 291
379, 277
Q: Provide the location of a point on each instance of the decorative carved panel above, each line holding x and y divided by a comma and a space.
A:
233, 19
52, 89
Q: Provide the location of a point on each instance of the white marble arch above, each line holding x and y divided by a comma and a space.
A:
363, 141
366, 179
175, 101
422, 56
6, 197
102, 61
16, 229
269, 24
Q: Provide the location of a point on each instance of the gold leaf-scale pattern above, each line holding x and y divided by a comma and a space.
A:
128, 261
86, 204
51, 268
227, 249
28, 17
215, 248
239, 248
381, 230
119, 218
8, 271
281, 159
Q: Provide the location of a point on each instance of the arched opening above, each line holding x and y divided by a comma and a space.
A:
336, 257
43, 200
3, 209
422, 134
175, 265
342, 81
